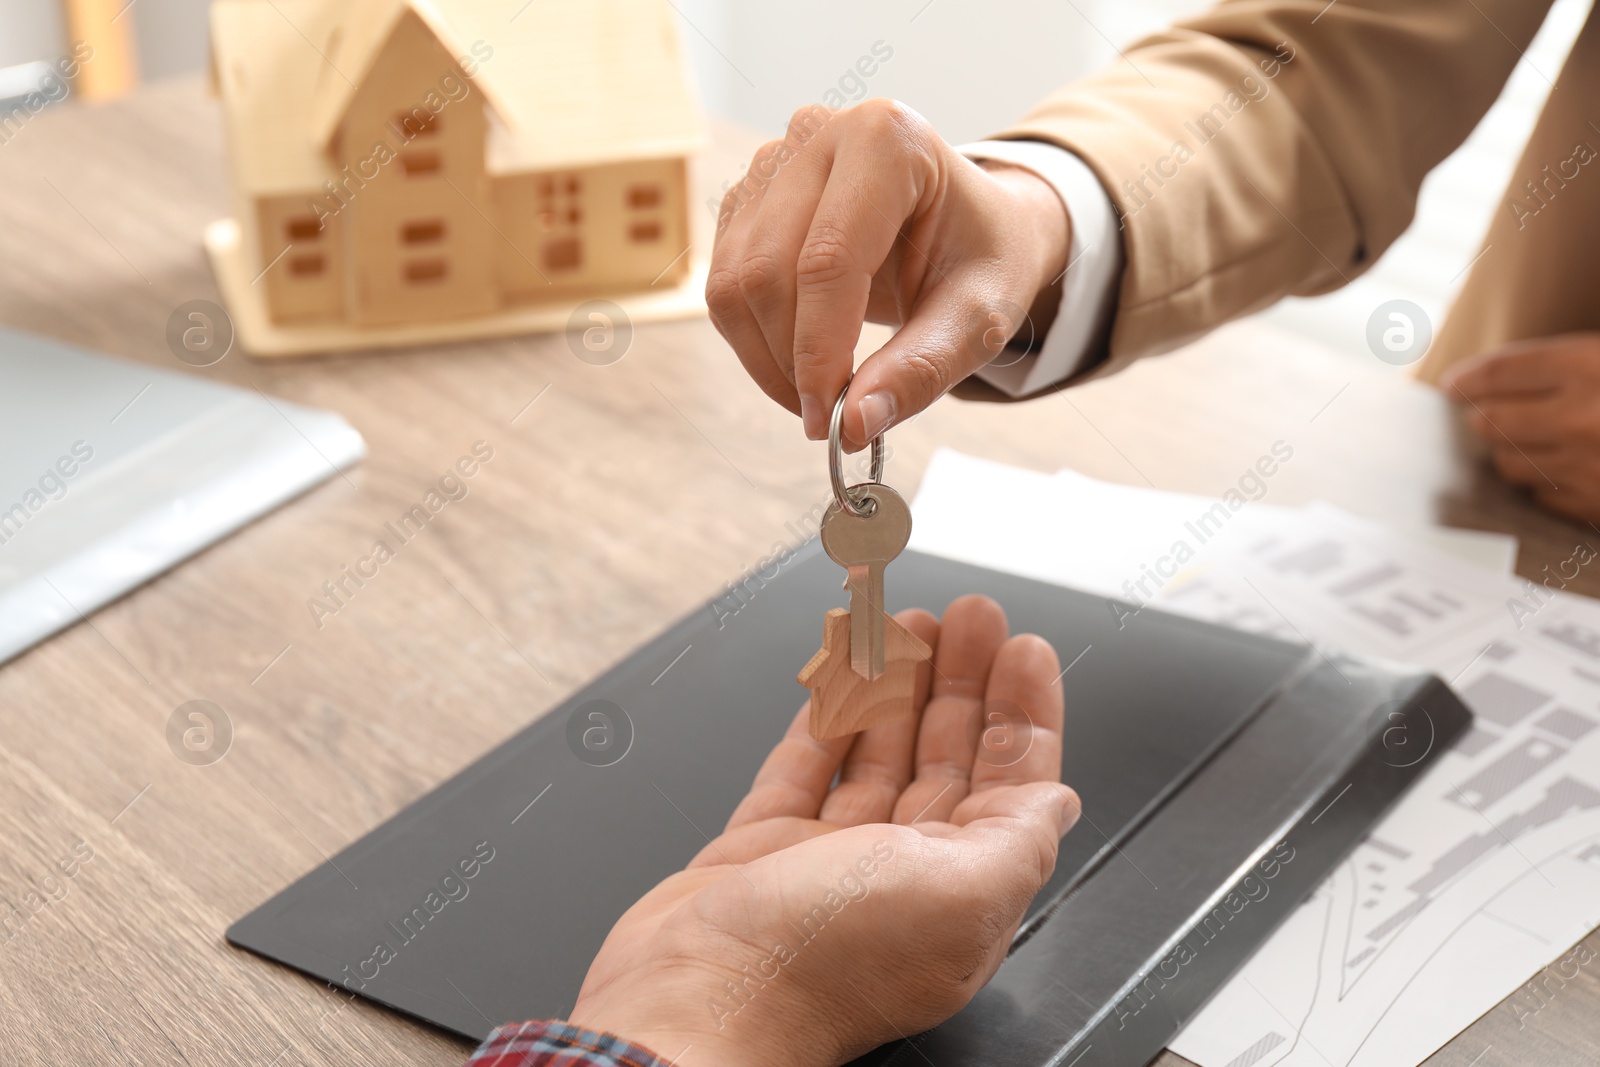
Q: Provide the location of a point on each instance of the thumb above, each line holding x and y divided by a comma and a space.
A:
948, 336
1018, 829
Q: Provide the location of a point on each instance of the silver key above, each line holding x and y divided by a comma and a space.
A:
864, 545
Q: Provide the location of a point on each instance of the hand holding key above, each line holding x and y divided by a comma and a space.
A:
867, 214
865, 672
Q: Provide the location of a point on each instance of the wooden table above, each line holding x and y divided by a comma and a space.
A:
626, 496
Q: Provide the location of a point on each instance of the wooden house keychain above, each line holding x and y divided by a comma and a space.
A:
866, 671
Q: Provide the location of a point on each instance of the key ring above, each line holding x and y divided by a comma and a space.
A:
845, 497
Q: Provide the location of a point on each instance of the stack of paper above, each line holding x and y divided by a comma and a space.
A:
1486, 872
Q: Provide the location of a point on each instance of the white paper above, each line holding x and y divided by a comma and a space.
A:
1325, 577
1067, 528
1485, 872
1487, 551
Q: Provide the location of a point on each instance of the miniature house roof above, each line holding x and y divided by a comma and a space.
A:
569, 82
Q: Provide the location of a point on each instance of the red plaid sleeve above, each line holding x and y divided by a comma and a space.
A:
555, 1044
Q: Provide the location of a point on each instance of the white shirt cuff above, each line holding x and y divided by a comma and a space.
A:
1094, 267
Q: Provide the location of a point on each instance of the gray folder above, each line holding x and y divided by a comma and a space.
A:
1223, 775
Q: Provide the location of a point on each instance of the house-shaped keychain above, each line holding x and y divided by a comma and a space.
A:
842, 701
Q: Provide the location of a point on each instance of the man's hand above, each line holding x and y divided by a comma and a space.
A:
831, 917
867, 214
1537, 404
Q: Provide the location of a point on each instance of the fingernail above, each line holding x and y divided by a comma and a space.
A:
877, 413
1071, 808
811, 418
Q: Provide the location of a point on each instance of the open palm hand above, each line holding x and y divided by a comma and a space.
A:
867, 886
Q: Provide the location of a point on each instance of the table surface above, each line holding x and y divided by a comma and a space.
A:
626, 496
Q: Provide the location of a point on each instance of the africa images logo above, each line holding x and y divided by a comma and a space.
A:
452, 888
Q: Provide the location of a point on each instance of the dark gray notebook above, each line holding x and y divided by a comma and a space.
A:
1206, 760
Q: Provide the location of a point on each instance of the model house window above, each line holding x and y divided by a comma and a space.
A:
560, 216
559, 195
426, 270
564, 253
644, 220
303, 228
419, 164
422, 232
306, 266
416, 123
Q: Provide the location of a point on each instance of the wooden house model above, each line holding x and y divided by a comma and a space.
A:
418, 170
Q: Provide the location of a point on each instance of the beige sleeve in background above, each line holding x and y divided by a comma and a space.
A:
1271, 148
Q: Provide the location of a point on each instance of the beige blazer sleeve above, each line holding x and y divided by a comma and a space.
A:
1274, 147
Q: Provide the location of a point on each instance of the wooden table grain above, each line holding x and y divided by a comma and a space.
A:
618, 498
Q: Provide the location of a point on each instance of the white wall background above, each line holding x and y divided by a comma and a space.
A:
952, 60
170, 34
29, 30
971, 66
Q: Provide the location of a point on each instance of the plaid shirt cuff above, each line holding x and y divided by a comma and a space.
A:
555, 1044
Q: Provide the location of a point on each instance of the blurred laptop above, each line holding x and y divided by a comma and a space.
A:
112, 472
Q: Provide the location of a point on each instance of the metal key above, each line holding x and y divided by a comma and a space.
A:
864, 546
